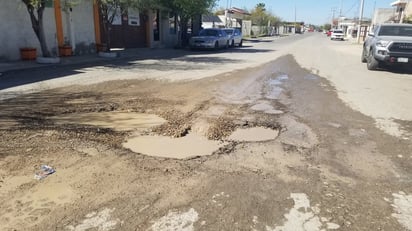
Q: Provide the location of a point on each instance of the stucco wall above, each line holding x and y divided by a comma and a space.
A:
83, 27
17, 31
382, 15
16, 22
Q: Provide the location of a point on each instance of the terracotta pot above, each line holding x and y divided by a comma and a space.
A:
101, 47
65, 51
28, 53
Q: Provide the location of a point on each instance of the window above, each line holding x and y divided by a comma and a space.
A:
209, 33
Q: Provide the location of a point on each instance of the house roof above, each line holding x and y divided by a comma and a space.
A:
399, 2
210, 18
235, 10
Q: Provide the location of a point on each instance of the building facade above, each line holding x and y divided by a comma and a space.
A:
80, 27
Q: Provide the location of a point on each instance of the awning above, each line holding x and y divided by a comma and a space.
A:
399, 2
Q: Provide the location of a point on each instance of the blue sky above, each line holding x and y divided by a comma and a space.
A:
316, 12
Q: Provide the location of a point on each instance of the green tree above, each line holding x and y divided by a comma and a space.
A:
264, 19
35, 8
327, 26
186, 10
109, 10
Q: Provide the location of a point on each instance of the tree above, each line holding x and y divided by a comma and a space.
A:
35, 8
260, 17
109, 9
327, 26
186, 10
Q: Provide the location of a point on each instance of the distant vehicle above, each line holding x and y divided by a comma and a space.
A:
235, 35
337, 34
210, 38
389, 44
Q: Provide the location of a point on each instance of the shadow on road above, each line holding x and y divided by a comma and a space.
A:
398, 70
162, 59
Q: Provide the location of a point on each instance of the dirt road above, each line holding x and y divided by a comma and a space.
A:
266, 147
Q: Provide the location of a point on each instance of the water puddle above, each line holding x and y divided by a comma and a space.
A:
265, 107
274, 93
275, 82
311, 77
279, 80
119, 121
178, 148
274, 90
253, 134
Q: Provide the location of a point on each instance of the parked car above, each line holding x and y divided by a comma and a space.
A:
210, 38
389, 44
235, 35
337, 34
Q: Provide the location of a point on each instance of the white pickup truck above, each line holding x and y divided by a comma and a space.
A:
389, 44
337, 34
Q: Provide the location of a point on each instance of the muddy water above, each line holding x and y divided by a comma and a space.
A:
266, 107
119, 121
274, 84
178, 148
254, 134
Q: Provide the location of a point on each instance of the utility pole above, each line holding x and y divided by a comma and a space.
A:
295, 19
360, 19
333, 17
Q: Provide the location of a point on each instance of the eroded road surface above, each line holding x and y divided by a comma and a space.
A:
268, 148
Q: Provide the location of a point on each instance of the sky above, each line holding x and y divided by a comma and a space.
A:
317, 12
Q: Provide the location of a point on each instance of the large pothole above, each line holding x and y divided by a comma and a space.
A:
190, 145
255, 134
179, 148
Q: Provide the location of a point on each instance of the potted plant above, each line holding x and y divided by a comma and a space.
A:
28, 53
65, 49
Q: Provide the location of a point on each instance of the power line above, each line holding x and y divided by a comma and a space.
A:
351, 8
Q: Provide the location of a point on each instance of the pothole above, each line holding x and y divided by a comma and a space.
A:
255, 134
119, 121
311, 77
275, 91
279, 79
178, 148
266, 108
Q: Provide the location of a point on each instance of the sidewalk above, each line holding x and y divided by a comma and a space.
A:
138, 53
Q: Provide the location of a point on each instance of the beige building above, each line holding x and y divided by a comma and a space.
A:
402, 10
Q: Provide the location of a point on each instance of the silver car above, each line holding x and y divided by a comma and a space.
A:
210, 38
235, 34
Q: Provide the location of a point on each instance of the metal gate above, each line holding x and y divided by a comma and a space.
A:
128, 30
